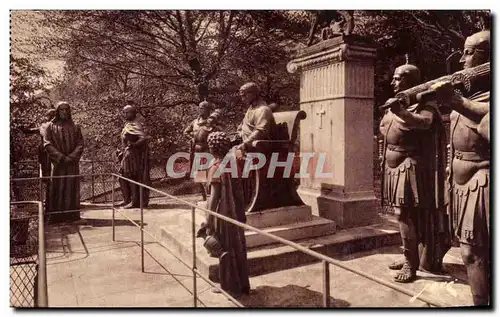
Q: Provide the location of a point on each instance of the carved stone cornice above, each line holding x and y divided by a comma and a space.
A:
329, 52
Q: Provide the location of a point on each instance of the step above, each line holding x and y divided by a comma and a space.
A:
309, 229
312, 226
277, 257
179, 240
279, 216
274, 217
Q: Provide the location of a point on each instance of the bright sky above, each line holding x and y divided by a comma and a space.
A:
23, 30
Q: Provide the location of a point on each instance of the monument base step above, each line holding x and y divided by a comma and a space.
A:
309, 229
276, 257
273, 217
291, 223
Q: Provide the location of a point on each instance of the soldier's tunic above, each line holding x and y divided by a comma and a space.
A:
404, 170
200, 128
413, 180
470, 179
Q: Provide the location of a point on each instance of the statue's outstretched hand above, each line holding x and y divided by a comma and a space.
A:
395, 105
443, 90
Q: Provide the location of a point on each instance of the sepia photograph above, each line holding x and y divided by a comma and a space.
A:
250, 158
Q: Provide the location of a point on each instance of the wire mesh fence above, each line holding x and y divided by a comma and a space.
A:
23, 255
95, 188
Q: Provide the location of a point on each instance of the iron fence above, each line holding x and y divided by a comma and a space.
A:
94, 187
326, 261
28, 279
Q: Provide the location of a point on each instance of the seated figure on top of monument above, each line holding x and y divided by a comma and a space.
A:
470, 168
258, 123
412, 138
260, 133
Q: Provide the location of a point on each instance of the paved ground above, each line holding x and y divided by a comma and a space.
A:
303, 286
87, 269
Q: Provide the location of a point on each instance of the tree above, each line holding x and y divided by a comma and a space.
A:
28, 103
428, 37
166, 62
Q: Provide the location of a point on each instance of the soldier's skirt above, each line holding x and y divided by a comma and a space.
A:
404, 185
471, 209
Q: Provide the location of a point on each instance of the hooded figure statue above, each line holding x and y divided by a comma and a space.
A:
63, 141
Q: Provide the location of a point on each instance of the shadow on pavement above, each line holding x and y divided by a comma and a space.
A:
287, 296
153, 206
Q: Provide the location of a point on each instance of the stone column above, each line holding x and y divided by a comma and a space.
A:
336, 92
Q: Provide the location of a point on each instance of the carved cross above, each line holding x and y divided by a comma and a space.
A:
321, 113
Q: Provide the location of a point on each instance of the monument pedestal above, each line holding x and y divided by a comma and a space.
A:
336, 92
291, 223
346, 209
266, 256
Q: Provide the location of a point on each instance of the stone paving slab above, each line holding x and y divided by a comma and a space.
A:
87, 269
302, 287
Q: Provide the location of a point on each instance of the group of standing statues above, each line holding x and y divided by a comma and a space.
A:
413, 173
429, 207
432, 203
224, 240
59, 156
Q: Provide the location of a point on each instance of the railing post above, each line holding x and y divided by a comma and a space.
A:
326, 284
93, 191
193, 233
42, 264
113, 205
142, 228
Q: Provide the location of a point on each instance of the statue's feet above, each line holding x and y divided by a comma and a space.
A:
396, 265
406, 275
121, 203
129, 206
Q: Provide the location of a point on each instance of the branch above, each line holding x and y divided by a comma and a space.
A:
181, 33
204, 30
438, 29
155, 76
224, 35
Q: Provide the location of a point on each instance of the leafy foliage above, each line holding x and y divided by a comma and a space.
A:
167, 61
28, 104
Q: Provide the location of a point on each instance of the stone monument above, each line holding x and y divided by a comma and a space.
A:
336, 93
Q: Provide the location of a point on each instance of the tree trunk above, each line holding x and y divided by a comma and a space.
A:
202, 91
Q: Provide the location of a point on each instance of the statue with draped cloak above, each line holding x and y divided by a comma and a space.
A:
63, 141
134, 160
224, 240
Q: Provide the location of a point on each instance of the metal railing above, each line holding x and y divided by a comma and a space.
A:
323, 258
41, 297
96, 190
326, 261
41, 290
